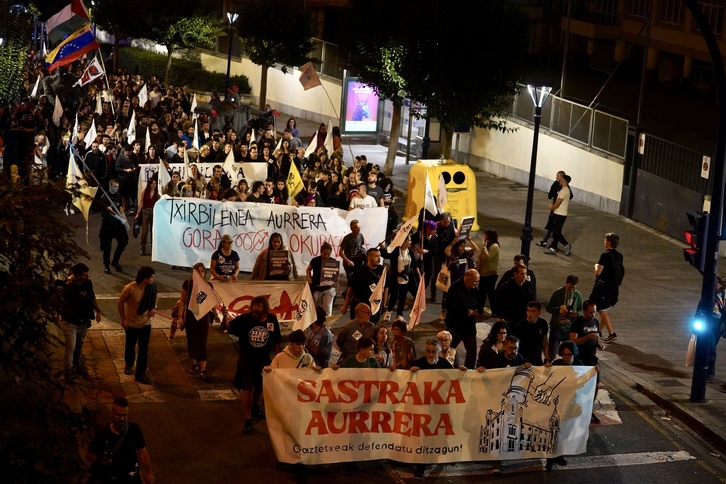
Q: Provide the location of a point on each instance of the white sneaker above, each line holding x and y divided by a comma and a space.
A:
551, 251
568, 249
387, 316
72, 212
400, 318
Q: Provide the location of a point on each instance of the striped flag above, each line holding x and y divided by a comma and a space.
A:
203, 297
376, 298
63, 18
72, 48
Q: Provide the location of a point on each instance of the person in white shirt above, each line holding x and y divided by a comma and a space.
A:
559, 210
362, 200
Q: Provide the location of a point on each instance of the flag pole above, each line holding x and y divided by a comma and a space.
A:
100, 186
105, 75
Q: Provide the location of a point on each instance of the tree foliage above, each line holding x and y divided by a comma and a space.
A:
38, 431
16, 26
275, 32
461, 58
182, 24
113, 17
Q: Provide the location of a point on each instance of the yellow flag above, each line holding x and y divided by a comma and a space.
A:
294, 182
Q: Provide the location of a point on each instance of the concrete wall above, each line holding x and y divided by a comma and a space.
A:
596, 181
284, 91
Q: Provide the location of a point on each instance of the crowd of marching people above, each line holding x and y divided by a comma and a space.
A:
170, 132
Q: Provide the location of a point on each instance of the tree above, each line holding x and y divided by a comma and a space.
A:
275, 32
182, 24
113, 17
39, 438
461, 58
16, 27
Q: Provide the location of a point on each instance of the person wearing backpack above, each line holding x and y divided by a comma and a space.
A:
609, 274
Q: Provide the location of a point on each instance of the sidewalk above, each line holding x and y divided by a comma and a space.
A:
657, 299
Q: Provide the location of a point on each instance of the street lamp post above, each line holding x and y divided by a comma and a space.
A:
539, 94
232, 18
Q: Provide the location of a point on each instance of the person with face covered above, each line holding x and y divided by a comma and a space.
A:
113, 226
259, 336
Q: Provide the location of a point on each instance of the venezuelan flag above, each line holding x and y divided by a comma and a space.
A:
72, 48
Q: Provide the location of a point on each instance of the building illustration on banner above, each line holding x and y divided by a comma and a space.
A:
507, 432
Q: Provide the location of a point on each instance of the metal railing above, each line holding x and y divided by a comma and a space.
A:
577, 122
675, 163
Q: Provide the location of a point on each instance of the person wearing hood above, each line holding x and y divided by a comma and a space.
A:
294, 355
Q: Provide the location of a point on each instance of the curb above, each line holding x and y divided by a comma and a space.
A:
682, 414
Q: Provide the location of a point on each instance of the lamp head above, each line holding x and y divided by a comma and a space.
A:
232, 17
539, 93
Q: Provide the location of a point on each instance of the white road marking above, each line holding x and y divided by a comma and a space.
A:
573, 463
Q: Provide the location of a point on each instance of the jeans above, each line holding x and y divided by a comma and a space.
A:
325, 299
142, 337
75, 334
469, 340
147, 221
558, 223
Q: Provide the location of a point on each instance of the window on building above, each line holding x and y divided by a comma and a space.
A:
713, 11
606, 12
638, 8
671, 12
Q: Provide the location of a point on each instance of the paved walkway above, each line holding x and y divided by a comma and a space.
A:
657, 299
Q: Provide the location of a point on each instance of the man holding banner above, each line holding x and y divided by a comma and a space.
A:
259, 335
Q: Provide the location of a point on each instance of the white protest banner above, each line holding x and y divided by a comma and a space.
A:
289, 300
431, 416
189, 230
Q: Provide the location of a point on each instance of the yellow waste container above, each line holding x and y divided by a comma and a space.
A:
460, 189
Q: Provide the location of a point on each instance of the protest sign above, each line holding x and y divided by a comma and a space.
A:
431, 416
279, 264
189, 230
329, 272
465, 228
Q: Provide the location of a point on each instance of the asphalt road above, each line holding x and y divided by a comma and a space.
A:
193, 429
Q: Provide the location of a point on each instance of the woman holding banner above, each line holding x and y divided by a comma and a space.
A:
197, 329
275, 263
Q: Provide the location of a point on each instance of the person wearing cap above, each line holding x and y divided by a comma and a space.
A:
224, 264
319, 339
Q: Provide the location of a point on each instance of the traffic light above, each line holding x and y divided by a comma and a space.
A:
696, 240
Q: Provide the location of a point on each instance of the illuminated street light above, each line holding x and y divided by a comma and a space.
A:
232, 18
539, 94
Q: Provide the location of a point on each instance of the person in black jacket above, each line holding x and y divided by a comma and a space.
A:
80, 308
464, 300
